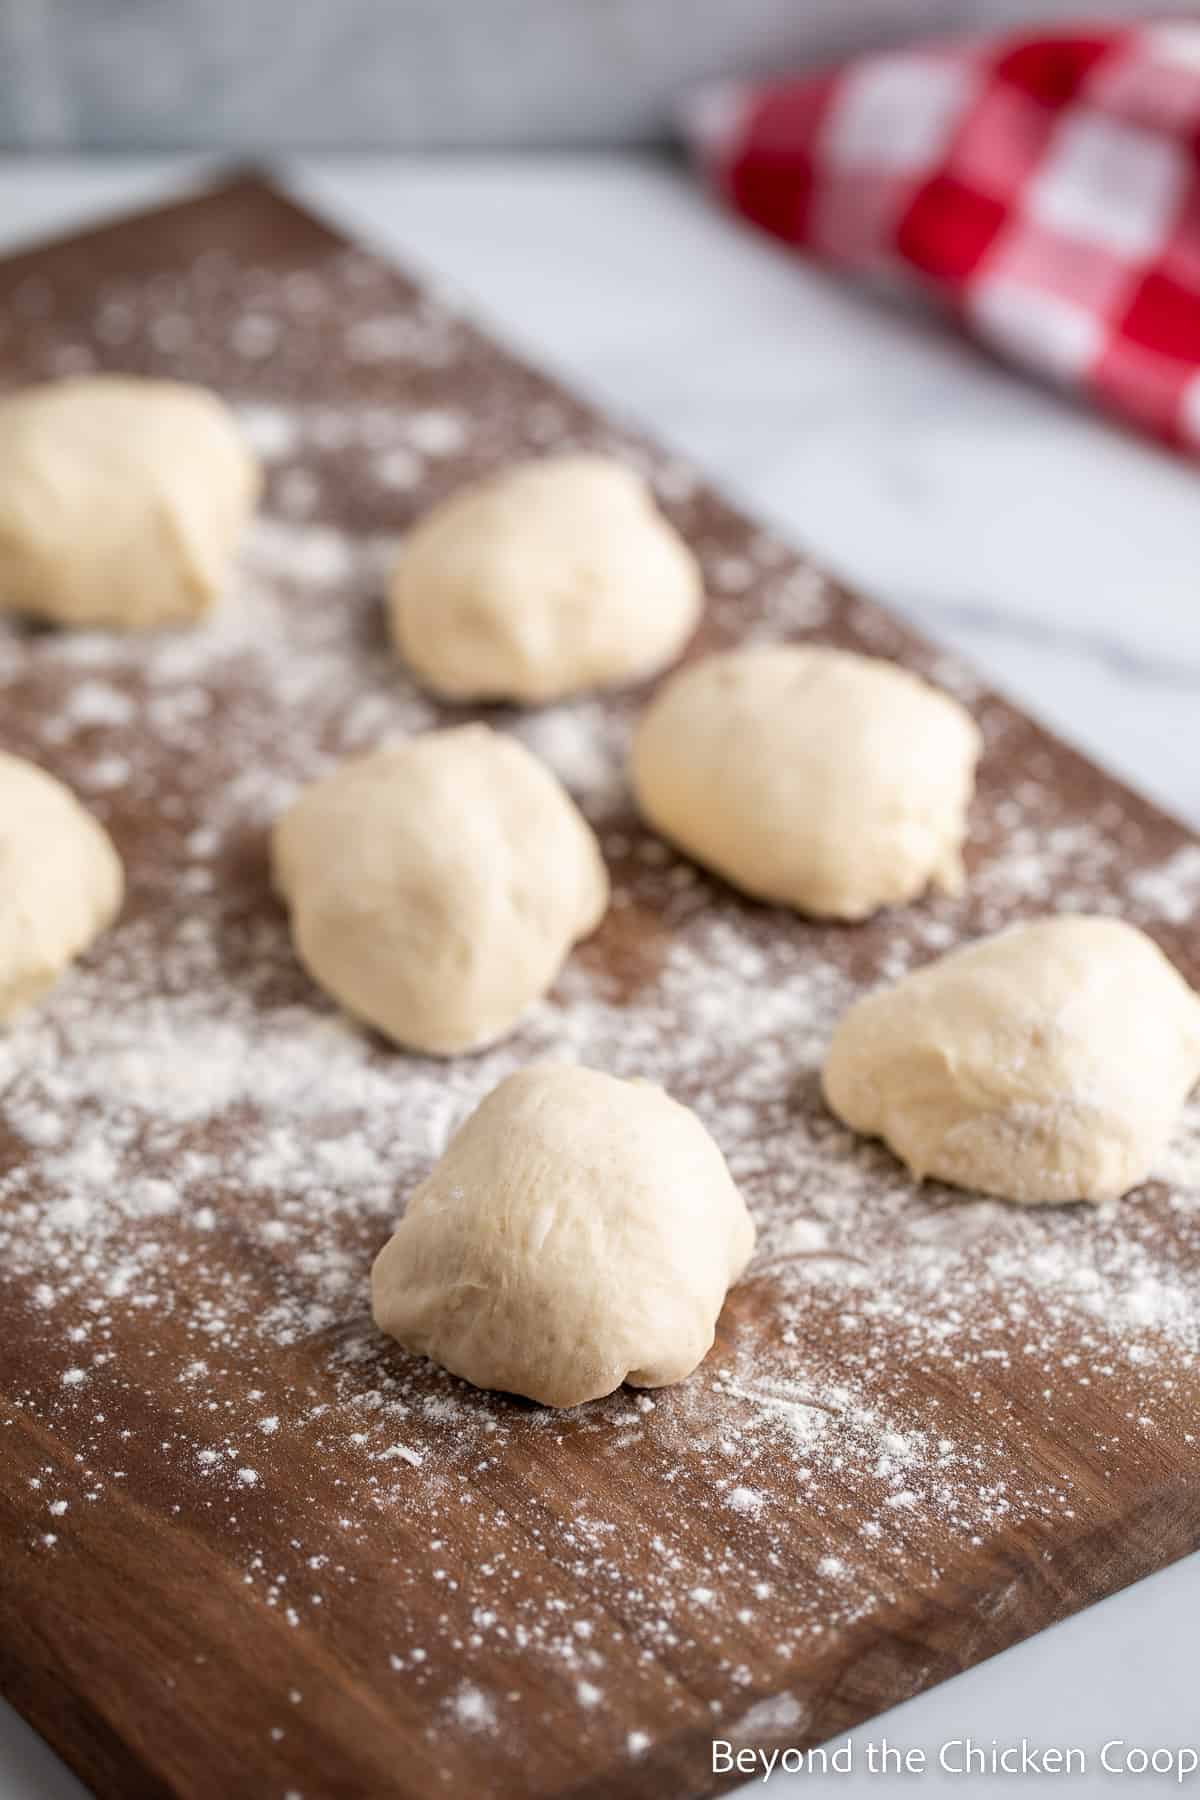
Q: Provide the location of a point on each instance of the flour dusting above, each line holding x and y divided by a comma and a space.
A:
199, 1157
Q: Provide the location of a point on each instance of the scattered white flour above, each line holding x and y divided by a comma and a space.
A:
1171, 891
201, 1158
473, 1709
271, 430
744, 1500
781, 1713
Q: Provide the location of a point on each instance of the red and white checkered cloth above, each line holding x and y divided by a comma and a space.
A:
1047, 186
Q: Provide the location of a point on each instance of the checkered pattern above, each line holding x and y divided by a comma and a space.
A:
1047, 187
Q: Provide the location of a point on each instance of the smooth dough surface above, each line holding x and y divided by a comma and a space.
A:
121, 500
437, 885
550, 578
579, 1231
61, 882
1048, 1063
810, 777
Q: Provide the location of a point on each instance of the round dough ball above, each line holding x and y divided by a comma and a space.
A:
121, 500
61, 882
1048, 1063
436, 886
549, 578
579, 1231
811, 777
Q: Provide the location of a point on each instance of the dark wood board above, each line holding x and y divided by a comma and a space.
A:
251, 1549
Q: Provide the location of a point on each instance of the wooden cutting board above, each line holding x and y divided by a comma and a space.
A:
251, 1549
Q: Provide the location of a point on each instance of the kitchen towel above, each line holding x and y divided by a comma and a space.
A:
1046, 186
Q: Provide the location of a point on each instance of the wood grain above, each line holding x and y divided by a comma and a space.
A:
506, 1602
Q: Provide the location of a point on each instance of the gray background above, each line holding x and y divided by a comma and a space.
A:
245, 74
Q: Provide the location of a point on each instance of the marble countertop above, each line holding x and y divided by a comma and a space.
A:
1054, 552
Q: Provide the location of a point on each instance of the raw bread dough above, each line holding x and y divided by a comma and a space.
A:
1047, 1063
121, 500
812, 777
61, 882
549, 578
579, 1231
437, 885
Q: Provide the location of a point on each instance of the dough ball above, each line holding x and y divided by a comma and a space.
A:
811, 777
121, 500
61, 882
436, 886
1046, 1063
549, 578
579, 1232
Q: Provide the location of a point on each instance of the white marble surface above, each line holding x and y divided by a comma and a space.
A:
1057, 554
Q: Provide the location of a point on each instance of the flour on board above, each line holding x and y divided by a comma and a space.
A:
203, 1156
